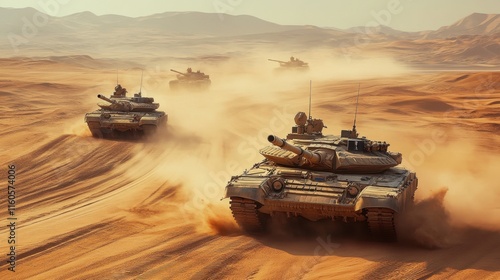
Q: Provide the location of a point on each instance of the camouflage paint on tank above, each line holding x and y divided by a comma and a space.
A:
316, 176
119, 114
190, 80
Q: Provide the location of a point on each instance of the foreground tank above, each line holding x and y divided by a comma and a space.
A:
292, 64
308, 174
190, 80
124, 116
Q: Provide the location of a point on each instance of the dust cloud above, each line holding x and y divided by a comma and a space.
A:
427, 223
444, 158
217, 133
220, 221
469, 173
457, 176
77, 127
158, 201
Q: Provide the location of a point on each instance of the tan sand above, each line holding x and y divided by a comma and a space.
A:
99, 209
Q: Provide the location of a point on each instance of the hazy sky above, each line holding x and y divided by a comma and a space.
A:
407, 15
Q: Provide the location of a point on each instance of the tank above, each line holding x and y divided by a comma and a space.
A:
120, 115
190, 80
314, 176
293, 63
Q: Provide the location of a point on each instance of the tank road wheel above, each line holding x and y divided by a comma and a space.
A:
381, 223
247, 216
149, 129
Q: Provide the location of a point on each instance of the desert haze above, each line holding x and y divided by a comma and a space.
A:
90, 208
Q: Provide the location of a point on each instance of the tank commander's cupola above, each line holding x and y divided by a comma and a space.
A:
307, 125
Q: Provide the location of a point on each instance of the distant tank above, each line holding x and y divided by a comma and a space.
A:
293, 63
190, 80
125, 115
315, 176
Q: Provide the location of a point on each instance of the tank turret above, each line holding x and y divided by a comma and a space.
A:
293, 63
134, 104
353, 155
198, 75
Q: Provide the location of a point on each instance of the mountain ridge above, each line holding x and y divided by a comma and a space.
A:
473, 24
224, 24
473, 39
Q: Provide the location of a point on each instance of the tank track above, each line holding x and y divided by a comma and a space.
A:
382, 224
149, 129
246, 215
95, 129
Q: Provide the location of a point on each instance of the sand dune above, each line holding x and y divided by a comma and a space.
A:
433, 105
473, 24
150, 209
95, 208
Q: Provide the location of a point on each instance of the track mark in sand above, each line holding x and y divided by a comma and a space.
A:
62, 192
53, 175
221, 266
50, 146
155, 203
385, 270
444, 263
59, 241
146, 263
474, 254
252, 274
401, 270
155, 196
180, 250
65, 209
119, 260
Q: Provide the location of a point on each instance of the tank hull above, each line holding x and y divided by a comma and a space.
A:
291, 68
110, 124
375, 199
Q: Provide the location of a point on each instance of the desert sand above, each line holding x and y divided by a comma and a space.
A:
91, 208
95, 208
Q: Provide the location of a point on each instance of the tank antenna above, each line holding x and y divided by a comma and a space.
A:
356, 113
140, 89
310, 93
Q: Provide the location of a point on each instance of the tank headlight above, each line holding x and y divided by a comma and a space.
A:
277, 185
352, 190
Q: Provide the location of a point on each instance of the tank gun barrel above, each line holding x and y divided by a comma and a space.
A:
177, 72
312, 157
106, 99
276, 60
